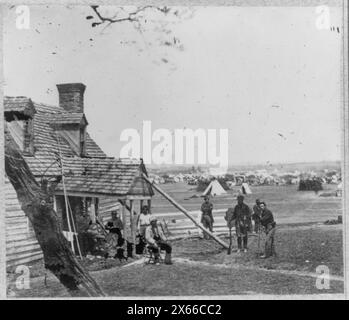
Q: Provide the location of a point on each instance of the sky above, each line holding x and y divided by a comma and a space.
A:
268, 75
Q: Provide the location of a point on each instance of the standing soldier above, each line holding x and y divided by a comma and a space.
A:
143, 220
256, 216
242, 217
229, 217
207, 217
85, 241
267, 221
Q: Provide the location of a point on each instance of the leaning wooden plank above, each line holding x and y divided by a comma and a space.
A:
179, 207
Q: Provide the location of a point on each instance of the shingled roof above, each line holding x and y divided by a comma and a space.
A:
66, 118
93, 174
18, 105
46, 138
104, 176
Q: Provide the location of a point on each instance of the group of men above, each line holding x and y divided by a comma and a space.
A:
241, 217
152, 238
150, 234
112, 241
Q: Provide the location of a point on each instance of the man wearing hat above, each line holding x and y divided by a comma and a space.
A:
156, 241
143, 220
242, 217
96, 236
115, 225
207, 217
268, 222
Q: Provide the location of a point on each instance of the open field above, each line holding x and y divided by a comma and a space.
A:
287, 204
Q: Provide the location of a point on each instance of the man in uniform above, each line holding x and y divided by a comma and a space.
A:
86, 242
143, 220
256, 216
242, 217
96, 235
157, 241
267, 221
207, 217
115, 225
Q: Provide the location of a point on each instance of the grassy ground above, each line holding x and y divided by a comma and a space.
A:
287, 204
202, 268
185, 280
298, 248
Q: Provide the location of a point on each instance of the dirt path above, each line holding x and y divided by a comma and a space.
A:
254, 268
231, 265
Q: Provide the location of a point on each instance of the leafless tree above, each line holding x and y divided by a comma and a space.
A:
34, 200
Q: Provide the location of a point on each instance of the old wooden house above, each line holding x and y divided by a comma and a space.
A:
67, 161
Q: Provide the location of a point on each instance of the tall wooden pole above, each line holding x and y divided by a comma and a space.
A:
179, 207
93, 210
149, 204
123, 213
54, 203
133, 234
230, 240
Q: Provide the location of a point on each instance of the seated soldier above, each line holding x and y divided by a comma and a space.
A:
86, 241
97, 238
115, 225
115, 246
140, 245
156, 241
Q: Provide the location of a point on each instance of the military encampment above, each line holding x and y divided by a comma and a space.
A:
172, 151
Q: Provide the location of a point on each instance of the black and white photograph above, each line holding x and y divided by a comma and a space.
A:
174, 151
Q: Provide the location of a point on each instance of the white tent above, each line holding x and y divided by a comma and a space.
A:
339, 190
214, 189
245, 188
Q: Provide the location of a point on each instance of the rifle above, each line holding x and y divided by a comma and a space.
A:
230, 240
259, 239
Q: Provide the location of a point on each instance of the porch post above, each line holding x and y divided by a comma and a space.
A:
54, 203
93, 210
149, 205
123, 214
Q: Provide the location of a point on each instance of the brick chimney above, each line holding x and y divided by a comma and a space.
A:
71, 96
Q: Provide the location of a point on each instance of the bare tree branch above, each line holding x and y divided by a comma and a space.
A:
130, 16
145, 20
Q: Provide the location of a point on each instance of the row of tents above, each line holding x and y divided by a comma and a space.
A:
216, 189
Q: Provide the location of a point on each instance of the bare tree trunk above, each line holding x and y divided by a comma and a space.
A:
58, 257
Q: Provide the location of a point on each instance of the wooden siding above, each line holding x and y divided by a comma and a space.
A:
106, 206
21, 244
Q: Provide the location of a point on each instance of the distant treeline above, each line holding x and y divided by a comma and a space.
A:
313, 184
